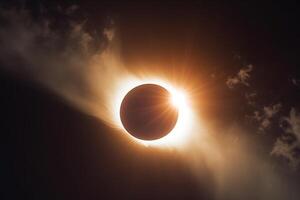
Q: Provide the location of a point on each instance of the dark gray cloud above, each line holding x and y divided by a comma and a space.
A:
38, 45
62, 56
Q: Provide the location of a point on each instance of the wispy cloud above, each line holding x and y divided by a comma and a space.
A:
264, 117
250, 98
295, 82
70, 10
68, 59
286, 146
241, 77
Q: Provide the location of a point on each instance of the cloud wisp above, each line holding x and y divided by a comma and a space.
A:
83, 67
266, 116
242, 77
288, 144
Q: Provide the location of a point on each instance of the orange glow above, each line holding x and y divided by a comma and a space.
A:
179, 135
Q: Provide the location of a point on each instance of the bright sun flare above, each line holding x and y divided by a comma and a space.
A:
179, 98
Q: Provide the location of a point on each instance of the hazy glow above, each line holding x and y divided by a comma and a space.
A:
179, 135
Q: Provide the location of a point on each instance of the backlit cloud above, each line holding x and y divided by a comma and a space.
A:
241, 77
286, 146
264, 117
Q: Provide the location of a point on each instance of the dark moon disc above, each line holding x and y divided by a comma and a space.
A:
146, 112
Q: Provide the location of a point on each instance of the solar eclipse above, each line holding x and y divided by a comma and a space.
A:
148, 113
153, 112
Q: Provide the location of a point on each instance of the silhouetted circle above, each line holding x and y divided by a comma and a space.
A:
146, 112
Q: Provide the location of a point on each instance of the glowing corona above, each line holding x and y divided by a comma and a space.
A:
179, 134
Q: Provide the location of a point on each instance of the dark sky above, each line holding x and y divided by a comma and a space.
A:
246, 53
